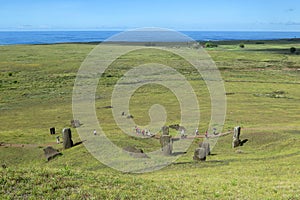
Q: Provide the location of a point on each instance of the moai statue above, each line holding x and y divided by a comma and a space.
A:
52, 131
166, 144
67, 138
200, 154
205, 145
236, 142
165, 130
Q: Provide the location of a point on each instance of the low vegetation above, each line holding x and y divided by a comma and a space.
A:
262, 84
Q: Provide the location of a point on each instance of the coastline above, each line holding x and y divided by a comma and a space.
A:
219, 42
96, 37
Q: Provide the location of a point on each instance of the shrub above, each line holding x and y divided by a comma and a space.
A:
210, 45
242, 45
293, 49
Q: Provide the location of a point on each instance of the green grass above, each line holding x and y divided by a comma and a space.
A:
263, 86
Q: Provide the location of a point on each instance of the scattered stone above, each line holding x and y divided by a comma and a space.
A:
52, 131
239, 151
129, 117
67, 138
175, 126
51, 153
181, 129
136, 153
200, 154
57, 140
75, 123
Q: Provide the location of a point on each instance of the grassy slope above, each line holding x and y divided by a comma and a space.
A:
36, 86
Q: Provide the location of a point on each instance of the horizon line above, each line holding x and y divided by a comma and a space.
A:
132, 29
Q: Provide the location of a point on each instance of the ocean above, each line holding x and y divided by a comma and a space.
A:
52, 37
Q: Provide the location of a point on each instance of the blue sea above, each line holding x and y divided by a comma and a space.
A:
51, 37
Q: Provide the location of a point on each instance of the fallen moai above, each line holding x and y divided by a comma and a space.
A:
51, 153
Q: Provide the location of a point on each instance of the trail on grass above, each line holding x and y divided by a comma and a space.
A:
3, 144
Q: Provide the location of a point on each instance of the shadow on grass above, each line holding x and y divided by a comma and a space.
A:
203, 164
178, 153
79, 143
285, 51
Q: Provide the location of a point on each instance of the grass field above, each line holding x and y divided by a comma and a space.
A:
262, 83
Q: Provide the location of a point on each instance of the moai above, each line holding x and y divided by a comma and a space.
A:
165, 130
236, 137
206, 146
51, 153
166, 142
67, 138
200, 154
52, 131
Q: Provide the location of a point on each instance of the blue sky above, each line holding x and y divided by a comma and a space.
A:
127, 14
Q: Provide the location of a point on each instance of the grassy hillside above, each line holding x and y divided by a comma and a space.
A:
262, 82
